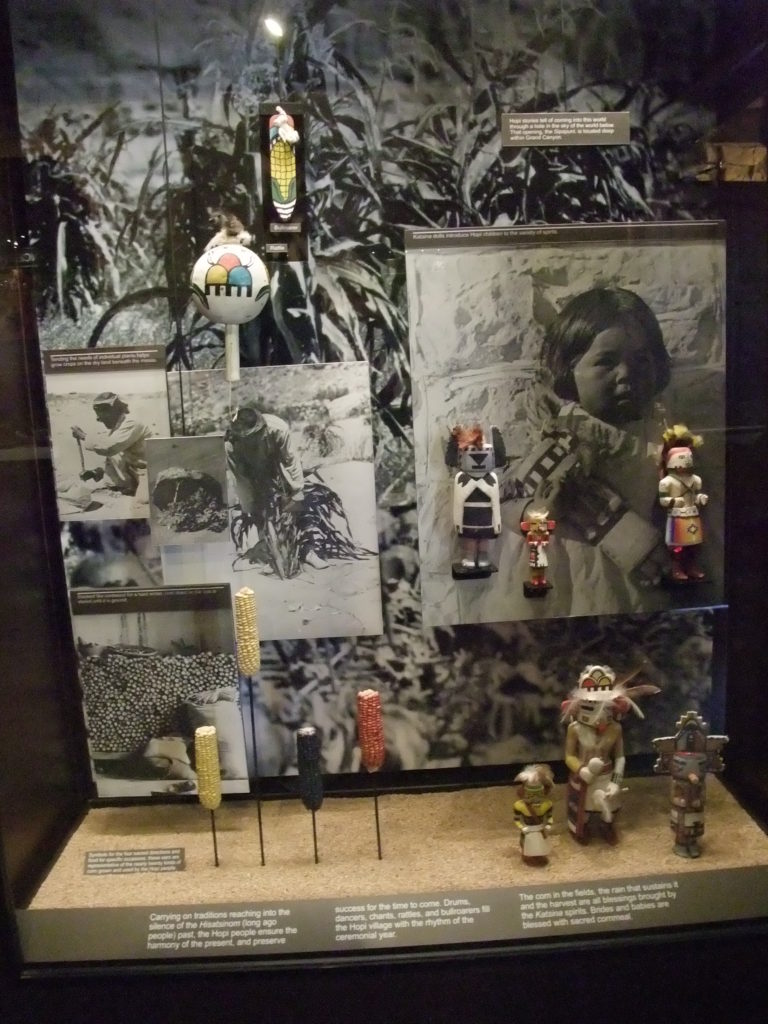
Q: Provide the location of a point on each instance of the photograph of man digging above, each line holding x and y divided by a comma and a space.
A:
120, 444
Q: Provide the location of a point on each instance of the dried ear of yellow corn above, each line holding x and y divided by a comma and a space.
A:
207, 765
370, 729
247, 632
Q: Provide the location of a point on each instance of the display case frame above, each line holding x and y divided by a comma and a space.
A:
42, 804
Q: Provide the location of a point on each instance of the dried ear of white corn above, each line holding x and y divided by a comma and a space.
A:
247, 632
207, 766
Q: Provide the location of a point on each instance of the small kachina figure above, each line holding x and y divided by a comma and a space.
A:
687, 757
594, 750
536, 528
681, 496
476, 499
533, 812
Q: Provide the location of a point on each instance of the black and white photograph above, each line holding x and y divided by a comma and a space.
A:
298, 446
154, 665
187, 490
582, 345
487, 694
111, 553
103, 408
98, 215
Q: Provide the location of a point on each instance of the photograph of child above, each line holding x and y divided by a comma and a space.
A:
588, 361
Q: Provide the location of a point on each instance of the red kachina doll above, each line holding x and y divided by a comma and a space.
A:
536, 528
681, 496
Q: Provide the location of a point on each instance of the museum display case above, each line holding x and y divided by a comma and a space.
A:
384, 535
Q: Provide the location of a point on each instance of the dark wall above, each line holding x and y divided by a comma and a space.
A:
699, 979
42, 785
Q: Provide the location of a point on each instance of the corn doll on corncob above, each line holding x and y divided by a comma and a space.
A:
283, 138
247, 632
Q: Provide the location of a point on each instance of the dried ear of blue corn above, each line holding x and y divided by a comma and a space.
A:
310, 776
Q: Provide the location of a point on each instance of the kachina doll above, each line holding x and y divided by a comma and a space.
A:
594, 750
687, 757
476, 501
681, 496
536, 528
533, 812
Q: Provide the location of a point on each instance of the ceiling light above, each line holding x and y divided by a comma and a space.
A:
274, 27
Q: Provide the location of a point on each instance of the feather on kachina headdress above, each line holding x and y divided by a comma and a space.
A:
599, 683
678, 436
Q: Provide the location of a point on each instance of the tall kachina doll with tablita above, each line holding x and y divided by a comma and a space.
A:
594, 750
682, 498
687, 757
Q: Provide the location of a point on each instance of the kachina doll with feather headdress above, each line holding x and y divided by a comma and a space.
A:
682, 498
594, 750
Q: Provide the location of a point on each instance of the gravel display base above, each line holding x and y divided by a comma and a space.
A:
464, 839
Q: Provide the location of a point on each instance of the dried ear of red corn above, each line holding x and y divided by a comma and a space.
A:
370, 729
247, 632
207, 767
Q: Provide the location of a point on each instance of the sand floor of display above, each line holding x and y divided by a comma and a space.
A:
432, 841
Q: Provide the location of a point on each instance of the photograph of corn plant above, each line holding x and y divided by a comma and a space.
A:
298, 452
140, 133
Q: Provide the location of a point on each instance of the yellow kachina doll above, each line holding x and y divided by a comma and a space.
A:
533, 812
681, 496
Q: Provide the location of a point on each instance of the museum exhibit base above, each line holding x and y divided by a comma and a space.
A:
138, 884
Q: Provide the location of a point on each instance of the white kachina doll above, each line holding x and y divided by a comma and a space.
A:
681, 496
533, 812
536, 528
476, 500
687, 757
594, 750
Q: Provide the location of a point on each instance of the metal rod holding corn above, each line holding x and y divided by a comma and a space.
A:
208, 776
249, 663
370, 733
310, 776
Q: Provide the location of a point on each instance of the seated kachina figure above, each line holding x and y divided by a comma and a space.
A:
594, 750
